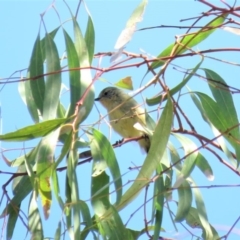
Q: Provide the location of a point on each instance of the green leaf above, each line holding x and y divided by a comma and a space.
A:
154, 156
32, 91
175, 158
189, 40
14, 204
34, 219
90, 38
26, 95
33, 131
74, 76
190, 150
65, 149
17, 161
176, 89
112, 228
73, 197
29, 170
214, 233
56, 189
86, 78
223, 97
125, 83
215, 131
204, 166
68, 207
198, 105
185, 200
11, 223
224, 146
19, 182
215, 114
61, 112
52, 34
22, 185
168, 172
104, 156
159, 188
151, 125
58, 232
202, 213
37, 86
86, 218
21, 188
53, 80
100, 194
192, 218
82, 143
133, 234
45, 160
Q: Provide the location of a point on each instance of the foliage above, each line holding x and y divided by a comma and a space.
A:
165, 168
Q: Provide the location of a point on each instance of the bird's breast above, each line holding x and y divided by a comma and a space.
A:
123, 123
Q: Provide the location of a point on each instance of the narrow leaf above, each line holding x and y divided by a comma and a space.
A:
37, 86
86, 78
192, 218
74, 194
56, 189
204, 166
32, 91
154, 156
86, 217
127, 34
113, 227
53, 80
202, 213
215, 114
185, 201
190, 40
175, 158
33, 131
45, 159
74, 76
100, 194
90, 38
26, 95
102, 151
11, 223
34, 219
65, 149
198, 105
17, 161
189, 162
52, 34
223, 97
58, 232
158, 202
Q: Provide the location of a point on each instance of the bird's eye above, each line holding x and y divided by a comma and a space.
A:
105, 94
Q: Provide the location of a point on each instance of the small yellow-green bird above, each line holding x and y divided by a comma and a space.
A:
124, 112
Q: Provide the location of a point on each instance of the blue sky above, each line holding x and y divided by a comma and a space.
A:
20, 21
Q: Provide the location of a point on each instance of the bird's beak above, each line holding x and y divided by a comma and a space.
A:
97, 99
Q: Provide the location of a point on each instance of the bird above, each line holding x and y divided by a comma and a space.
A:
124, 112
